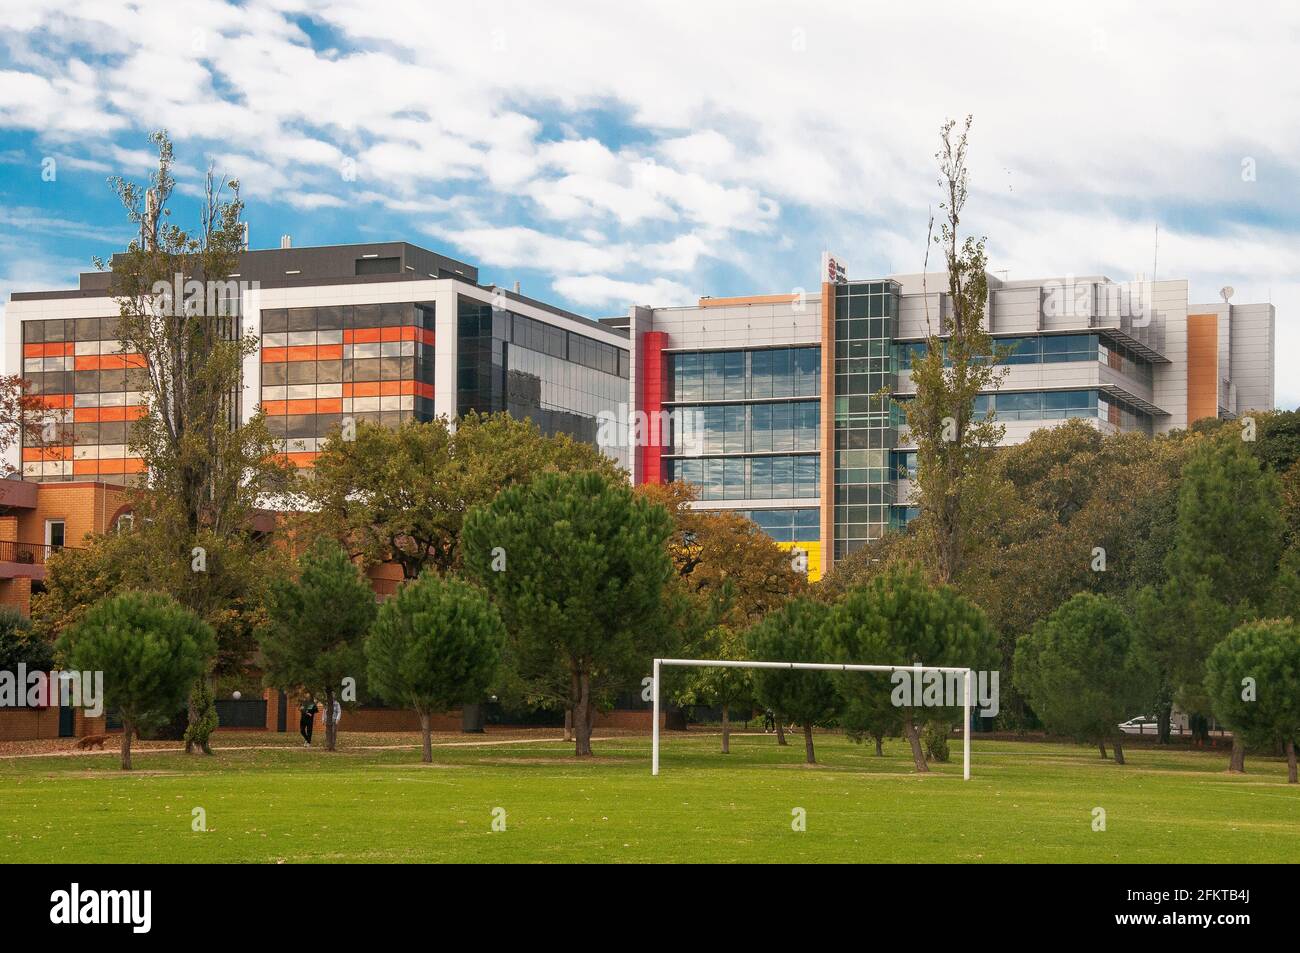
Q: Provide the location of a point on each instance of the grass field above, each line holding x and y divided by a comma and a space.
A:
1026, 802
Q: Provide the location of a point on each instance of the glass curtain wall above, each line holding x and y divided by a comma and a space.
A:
866, 428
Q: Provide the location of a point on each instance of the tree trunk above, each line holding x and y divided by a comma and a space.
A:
426, 738
1290, 762
914, 739
582, 717
809, 756
190, 718
127, 730
1101, 746
1163, 716
330, 727
726, 730
880, 749
568, 723
780, 729
1119, 752
1237, 763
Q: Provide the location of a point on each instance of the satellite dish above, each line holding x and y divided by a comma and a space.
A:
1225, 293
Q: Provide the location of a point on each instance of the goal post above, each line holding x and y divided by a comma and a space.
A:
814, 666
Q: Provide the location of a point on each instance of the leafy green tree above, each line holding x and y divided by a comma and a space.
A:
1253, 680
1222, 569
229, 595
868, 710
954, 448
1277, 438
20, 645
151, 650
728, 688
402, 493
317, 625
727, 574
435, 645
1081, 672
897, 618
1088, 512
577, 564
205, 470
77, 578
794, 633
205, 720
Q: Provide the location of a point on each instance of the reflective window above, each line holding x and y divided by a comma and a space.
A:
758, 478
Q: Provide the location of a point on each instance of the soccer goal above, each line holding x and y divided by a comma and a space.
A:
965, 673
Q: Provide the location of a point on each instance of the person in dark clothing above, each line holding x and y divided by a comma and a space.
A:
308, 719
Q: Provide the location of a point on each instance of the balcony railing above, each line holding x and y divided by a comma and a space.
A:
33, 554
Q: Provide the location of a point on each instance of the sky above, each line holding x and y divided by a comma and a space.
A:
605, 154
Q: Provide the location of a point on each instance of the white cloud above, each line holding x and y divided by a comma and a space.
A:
313, 200
634, 143
600, 291
520, 247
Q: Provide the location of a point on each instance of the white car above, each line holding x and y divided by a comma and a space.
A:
1141, 725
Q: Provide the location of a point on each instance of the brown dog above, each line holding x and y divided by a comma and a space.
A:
92, 741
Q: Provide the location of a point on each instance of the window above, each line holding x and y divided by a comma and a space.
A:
1019, 350
1059, 349
54, 530
124, 523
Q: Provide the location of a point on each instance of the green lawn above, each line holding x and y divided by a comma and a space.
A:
1026, 802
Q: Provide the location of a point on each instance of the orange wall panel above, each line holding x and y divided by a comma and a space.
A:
1202, 366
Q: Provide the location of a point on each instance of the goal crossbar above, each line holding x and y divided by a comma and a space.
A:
811, 666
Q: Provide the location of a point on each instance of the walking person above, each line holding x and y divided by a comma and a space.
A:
307, 721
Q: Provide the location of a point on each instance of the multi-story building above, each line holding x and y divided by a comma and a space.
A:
382, 332
786, 407
783, 407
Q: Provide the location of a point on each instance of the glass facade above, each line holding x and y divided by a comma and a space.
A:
1048, 349
866, 424
1062, 404
746, 375
787, 526
370, 362
1037, 405
761, 408
555, 377
92, 390
746, 428
748, 478
904, 462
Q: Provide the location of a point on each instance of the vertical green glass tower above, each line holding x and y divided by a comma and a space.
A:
866, 322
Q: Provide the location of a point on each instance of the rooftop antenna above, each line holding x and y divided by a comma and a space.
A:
1155, 255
